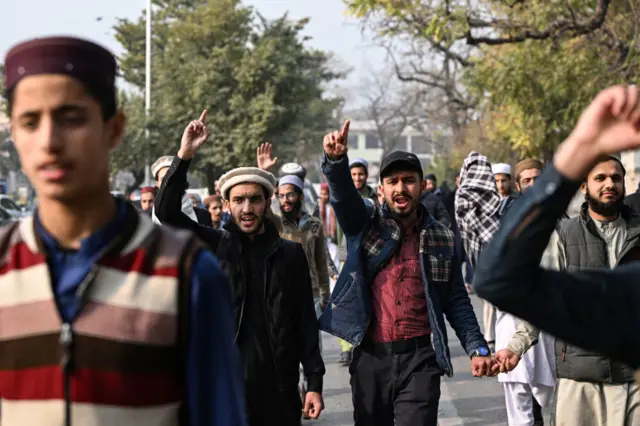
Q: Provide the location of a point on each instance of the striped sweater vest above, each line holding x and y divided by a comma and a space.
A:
129, 340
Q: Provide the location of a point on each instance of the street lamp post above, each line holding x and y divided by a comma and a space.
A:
147, 94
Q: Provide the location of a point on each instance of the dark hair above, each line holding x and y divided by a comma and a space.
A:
105, 97
612, 158
210, 199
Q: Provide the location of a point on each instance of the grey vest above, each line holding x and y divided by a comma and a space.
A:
586, 250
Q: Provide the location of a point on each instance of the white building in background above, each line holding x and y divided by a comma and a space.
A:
364, 143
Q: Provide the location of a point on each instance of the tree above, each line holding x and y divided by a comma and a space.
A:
528, 66
258, 79
391, 107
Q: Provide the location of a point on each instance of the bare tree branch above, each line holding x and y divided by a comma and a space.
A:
562, 27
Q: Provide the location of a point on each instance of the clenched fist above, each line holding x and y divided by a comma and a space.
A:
335, 143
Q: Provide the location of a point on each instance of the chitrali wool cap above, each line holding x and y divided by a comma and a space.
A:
501, 169
247, 175
291, 180
161, 163
526, 164
359, 162
86, 61
401, 160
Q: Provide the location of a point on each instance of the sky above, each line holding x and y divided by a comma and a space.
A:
329, 28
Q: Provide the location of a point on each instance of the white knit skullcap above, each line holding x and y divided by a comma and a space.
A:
291, 180
501, 169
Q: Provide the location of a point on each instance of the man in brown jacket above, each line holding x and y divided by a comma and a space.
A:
307, 230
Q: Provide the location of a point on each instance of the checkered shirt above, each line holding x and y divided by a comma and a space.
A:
477, 205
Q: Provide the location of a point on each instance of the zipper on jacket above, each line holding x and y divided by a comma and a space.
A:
66, 341
564, 352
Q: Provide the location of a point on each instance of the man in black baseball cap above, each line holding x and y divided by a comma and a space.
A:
400, 160
391, 328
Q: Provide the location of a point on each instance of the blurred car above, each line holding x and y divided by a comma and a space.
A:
12, 208
6, 217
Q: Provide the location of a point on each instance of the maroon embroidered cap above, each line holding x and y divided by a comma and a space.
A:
81, 59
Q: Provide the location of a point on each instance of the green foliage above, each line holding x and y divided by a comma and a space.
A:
258, 79
535, 64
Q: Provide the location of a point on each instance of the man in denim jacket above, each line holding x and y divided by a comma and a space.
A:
400, 278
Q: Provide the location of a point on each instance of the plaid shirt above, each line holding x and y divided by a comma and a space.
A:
477, 205
400, 311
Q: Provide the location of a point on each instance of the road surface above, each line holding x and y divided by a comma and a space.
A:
465, 400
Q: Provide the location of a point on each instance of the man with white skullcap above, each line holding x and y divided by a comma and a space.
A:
502, 175
269, 276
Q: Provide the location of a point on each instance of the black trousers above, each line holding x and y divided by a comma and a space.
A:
401, 389
275, 408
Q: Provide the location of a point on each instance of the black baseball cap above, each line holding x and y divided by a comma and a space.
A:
400, 160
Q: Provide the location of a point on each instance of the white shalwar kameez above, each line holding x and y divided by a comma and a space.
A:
534, 377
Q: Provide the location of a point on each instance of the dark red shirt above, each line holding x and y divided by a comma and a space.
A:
399, 302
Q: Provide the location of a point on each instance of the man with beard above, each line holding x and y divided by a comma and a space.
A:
302, 228
273, 301
591, 388
400, 278
305, 229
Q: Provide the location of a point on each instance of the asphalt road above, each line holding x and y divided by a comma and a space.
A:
465, 400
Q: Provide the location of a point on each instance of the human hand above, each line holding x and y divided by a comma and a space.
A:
610, 124
313, 404
507, 359
335, 143
195, 134
482, 366
263, 153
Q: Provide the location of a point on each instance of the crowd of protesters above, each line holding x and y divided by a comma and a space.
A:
209, 312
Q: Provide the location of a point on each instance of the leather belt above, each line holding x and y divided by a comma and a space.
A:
397, 346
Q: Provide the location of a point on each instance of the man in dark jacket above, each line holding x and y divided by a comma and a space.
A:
400, 278
436, 208
596, 310
277, 326
633, 200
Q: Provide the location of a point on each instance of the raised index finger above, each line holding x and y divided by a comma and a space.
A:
203, 117
345, 129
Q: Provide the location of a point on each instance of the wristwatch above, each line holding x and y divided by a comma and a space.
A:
481, 351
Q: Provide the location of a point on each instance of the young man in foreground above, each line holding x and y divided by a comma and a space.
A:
107, 319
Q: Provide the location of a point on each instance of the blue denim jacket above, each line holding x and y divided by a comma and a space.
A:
372, 239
